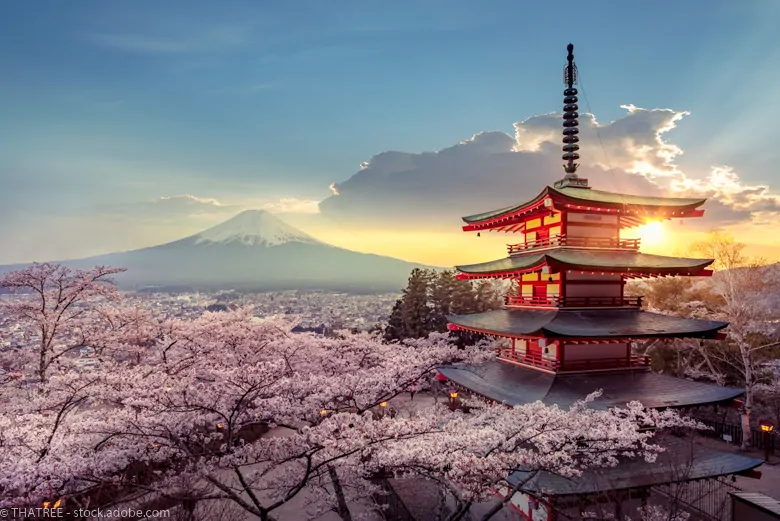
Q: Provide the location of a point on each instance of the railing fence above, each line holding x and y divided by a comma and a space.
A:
733, 434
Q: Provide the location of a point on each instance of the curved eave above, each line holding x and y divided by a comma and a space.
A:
587, 199
680, 463
505, 216
630, 263
602, 199
584, 324
515, 385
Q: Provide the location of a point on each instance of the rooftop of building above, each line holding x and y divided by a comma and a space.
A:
515, 385
596, 198
563, 257
586, 323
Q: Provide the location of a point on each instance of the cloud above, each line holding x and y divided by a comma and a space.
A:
221, 37
493, 170
172, 208
293, 205
249, 89
178, 208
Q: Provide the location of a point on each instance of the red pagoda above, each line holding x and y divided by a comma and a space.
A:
570, 325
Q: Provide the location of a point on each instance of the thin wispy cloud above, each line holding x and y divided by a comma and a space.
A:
218, 38
251, 89
293, 205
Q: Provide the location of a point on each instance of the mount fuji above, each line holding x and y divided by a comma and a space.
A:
254, 250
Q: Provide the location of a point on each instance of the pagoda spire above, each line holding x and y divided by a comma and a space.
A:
570, 124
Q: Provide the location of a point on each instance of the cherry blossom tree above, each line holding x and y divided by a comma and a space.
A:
747, 287
228, 407
58, 309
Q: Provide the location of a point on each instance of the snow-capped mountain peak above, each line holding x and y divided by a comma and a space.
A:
254, 228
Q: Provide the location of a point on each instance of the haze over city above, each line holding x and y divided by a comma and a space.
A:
371, 126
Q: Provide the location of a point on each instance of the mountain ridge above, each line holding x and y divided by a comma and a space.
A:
254, 250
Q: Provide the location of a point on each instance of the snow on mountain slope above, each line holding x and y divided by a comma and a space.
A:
254, 228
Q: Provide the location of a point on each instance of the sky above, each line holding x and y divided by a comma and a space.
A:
129, 124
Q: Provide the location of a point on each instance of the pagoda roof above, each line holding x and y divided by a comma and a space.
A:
515, 385
586, 323
589, 260
682, 461
591, 197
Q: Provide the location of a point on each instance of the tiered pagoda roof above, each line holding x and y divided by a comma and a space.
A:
632, 209
631, 263
602, 324
514, 385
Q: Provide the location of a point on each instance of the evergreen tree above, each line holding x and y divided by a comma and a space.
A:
415, 310
442, 288
463, 298
487, 296
395, 325
431, 296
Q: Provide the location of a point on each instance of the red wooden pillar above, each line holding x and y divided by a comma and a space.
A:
560, 354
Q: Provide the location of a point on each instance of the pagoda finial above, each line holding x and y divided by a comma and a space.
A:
570, 124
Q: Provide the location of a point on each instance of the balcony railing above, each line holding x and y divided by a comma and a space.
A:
574, 302
577, 242
530, 359
598, 364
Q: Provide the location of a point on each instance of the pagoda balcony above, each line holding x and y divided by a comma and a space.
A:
574, 302
574, 366
575, 242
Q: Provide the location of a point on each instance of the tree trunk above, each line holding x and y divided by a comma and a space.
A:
42, 362
343, 509
746, 408
748, 405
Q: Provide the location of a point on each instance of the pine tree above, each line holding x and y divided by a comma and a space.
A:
415, 310
395, 324
430, 297
442, 288
487, 296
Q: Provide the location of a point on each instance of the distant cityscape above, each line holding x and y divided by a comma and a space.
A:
315, 311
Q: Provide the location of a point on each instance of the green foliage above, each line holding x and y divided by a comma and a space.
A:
430, 296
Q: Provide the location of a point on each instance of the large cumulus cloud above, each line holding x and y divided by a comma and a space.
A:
493, 169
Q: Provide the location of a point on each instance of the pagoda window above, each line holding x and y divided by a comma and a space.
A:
580, 230
550, 351
574, 217
531, 277
555, 231
614, 351
533, 223
553, 218
521, 346
553, 290
530, 237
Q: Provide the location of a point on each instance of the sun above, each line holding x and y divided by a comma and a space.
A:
652, 233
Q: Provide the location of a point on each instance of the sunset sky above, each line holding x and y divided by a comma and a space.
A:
129, 124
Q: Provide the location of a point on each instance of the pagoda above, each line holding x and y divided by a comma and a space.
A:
569, 326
